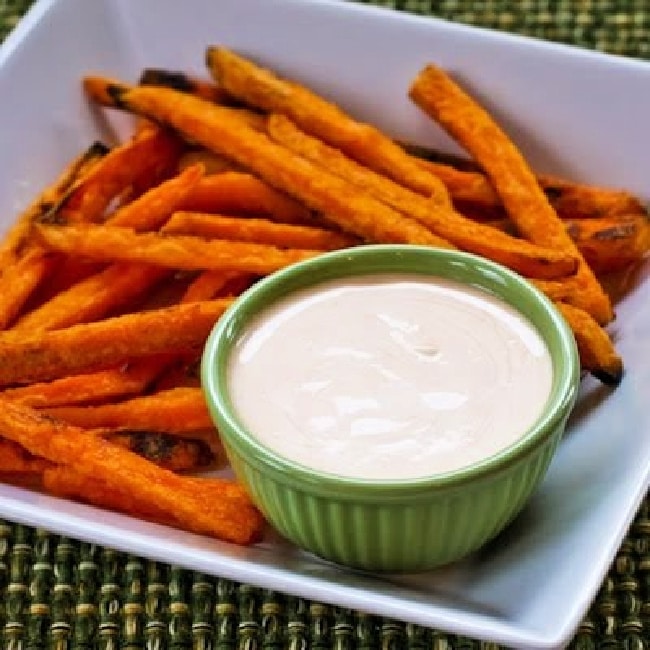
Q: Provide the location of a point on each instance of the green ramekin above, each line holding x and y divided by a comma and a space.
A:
393, 525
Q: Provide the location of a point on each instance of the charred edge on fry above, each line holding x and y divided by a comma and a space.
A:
166, 78
609, 378
117, 93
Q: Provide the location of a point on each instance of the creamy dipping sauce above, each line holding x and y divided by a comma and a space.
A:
389, 376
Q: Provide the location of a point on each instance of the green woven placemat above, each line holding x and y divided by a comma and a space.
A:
60, 593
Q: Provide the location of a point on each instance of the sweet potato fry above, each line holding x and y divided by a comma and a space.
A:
111, 243
212, 284
570, 200
215, 128
185, 83
611, 243
518, 254
261, 88
20, 279
558, 290
441, 98
213, 163
178, 409
171, 452
93, 298
578, 201
46, 202
146, 159
225, 518
261, 231
114, 383
16, 460
607, 243
597, 352
242, 193
64, 481
93, 346
152, 209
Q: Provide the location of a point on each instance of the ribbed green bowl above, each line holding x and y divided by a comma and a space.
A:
397, 525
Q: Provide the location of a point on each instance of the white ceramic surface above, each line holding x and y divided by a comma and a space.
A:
573, 112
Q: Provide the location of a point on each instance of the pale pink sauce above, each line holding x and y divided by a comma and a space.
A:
389, 376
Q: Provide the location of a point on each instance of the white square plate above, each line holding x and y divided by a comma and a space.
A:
575, 113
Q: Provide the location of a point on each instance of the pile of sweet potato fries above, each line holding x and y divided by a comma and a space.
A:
112, 279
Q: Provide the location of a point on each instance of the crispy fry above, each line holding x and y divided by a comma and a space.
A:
242, 193
19, 281
93, 298
212, 284
261, 88
261, 231
611, 243
225, 518
152, 209
440, 97
175, 410
92, 346
577, 201
215, 128
558, 290
570, 200
185, 83
147, 159
46, 202
607, 243
65, 482
597, 353
171, 452
14, 459
212, 162
177, 252
518, 254
132, 379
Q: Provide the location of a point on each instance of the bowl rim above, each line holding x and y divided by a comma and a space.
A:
490, 276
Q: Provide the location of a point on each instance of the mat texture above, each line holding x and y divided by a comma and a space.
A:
59, 593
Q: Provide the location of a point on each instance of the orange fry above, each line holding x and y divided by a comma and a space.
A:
178, 409
65, 481
570, 200
213, 163
261, 88
14, 459
47, 201
153, 208
215, 128
611, 243
440, 97
111, 243
185, 83
19, 281
113, 383
212, 284
520, 255
225, 518
261, 231
145, 159
240, 193
92, 346
597, 353
178, 454
93, 298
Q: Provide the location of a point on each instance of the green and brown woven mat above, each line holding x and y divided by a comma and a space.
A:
60, 593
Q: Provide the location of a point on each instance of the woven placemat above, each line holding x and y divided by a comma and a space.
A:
61, 593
